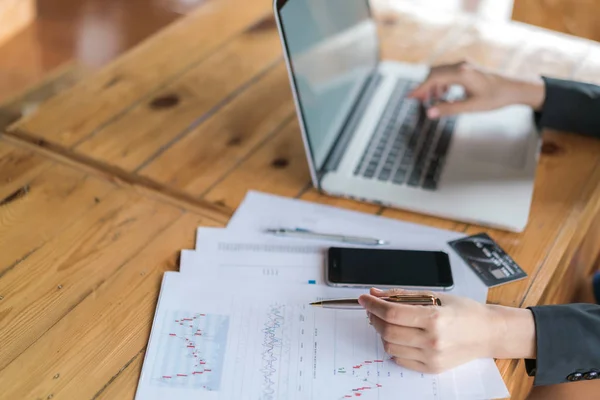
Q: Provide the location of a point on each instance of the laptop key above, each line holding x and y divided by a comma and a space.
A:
384, 175
445, 138
399, 176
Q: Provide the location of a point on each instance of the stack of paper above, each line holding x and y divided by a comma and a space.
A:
234, 323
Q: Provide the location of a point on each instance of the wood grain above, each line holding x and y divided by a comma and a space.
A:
206, 154
124, 384
175, 133
49, 202
278, 167
109, 325
555, 215
173, 111
126, 82
117, 176
28, 100
69, 266
578, 18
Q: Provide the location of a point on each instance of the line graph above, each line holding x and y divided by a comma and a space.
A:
272, 347
193, 347
360, 366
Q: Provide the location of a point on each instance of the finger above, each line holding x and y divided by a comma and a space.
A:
403, 352
424, 90
457, 107
397, 314
400, 335
439, 77
440, 92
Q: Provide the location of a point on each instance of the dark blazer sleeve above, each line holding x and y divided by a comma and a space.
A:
568, 344
571, 107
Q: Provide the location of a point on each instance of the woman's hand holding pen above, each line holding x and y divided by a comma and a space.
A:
433, 339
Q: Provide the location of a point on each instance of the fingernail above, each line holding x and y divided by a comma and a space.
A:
433, 112
377, 290
361, 301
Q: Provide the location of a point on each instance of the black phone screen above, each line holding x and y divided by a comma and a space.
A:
372, 267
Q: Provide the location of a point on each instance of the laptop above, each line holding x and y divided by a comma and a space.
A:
365, 140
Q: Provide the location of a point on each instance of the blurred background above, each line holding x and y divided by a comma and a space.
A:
37, 36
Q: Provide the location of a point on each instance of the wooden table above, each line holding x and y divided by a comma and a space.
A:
104, 185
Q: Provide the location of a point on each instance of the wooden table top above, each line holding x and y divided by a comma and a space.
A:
106, 182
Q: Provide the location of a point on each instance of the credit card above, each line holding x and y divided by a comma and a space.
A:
489, 262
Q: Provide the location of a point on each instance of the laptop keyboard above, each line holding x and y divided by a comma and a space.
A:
407, 147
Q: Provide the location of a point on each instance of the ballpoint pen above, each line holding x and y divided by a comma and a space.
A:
305, 234
352, 304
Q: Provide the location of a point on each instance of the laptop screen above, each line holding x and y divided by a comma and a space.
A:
332, 46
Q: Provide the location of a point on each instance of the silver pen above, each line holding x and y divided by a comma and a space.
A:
305, 234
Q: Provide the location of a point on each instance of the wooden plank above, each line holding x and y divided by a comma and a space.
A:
153, 126
71, 265
573, 256
278, 167
93, 103
31, 98
124, 384
573, 161
561, 15
14, 16
106, 329
18, 168
578, 262
206, 154
119, 177
39, 207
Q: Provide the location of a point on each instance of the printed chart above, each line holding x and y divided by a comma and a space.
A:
247, 346
192, 346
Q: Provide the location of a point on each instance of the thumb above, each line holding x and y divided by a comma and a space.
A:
452, 108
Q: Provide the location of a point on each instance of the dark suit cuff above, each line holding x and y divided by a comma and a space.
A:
563, 345
570, 107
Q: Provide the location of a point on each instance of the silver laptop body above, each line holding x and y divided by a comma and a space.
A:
365, 140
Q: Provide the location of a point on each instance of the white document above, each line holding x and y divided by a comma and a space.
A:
240, 342
261, 211
262, 256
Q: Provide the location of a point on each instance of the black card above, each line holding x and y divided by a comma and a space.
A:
491, 264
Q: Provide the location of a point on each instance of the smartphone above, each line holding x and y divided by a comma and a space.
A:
383, 268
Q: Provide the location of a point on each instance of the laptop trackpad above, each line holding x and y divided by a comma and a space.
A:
498, 137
